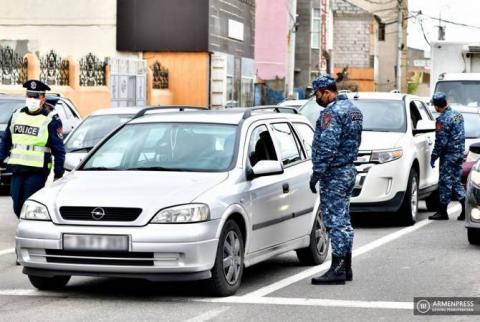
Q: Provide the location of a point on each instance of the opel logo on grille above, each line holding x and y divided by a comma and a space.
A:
98, 213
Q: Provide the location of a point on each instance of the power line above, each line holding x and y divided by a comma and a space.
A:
447, 21
423, 31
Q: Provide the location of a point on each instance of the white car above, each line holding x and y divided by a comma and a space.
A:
179, 196
394, 158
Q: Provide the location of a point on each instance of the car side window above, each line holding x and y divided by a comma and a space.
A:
60, 109
261, 146
70, 110
306, 137
287, 143
414, 114
424, 112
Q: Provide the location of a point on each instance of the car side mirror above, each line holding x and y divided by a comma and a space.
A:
424, 126
265, 168
475, 148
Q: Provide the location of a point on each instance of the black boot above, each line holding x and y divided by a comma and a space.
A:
442, 213
348, 267
335, 275
462, 215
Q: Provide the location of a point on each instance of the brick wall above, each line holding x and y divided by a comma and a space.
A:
351, 40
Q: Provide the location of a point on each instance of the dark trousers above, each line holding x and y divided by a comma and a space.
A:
23, 185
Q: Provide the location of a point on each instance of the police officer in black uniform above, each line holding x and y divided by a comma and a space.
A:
34, 134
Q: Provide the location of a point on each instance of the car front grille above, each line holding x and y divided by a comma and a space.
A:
99, 257
111, 213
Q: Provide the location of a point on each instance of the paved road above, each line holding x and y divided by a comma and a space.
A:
391, 265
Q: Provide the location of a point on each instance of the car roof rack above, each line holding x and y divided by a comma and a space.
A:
180, 108
273, 108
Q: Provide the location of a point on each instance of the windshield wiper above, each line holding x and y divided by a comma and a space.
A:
99, 169
157, 169
85, 148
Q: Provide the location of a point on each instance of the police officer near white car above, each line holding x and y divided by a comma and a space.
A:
33, 135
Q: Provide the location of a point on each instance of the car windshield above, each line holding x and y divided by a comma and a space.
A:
464, 93
382, 115
471, 124
311, 110
167, 147
93, 129
7, 107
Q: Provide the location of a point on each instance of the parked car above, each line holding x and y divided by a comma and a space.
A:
393, 161
179, 196
9, 104
92, 129
472, 211
309, 108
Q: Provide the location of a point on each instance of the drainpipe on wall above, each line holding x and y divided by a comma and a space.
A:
292, 26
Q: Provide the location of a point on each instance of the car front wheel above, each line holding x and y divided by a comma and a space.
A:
317, 251
473, 236
49, 283
409, 209
228, 269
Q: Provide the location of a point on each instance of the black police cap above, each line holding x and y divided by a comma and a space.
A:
36, 86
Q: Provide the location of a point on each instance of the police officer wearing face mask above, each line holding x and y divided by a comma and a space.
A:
337, 138
34, 134
449, 148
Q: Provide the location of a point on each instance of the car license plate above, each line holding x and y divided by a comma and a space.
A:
95, 242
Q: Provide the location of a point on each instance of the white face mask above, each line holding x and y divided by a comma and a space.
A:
33, 104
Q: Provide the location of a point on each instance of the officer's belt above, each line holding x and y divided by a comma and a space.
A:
32, 148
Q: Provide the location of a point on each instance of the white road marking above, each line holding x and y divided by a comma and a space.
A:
317, 269
28, 292
209, 315
313, 302
7, 251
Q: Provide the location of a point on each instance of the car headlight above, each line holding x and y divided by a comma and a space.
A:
475, 174
33, 210
472, 157
182, 214
386, 156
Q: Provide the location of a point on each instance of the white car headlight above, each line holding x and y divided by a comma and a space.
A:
472, 157
386, 156
182, 214
475, 174
33, 210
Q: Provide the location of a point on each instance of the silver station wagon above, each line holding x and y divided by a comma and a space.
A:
182, 195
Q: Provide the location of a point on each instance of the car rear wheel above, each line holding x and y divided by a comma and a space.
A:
409, 209
228, 269
473, 236
316, 252
49, 283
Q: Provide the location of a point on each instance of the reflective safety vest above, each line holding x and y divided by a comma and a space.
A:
29, 139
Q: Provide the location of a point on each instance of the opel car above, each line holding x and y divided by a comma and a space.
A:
192, 195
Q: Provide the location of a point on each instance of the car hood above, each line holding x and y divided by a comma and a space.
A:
148, 190
380, 140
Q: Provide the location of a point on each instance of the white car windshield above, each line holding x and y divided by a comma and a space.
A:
167, 147
471, 124
464, 93
382, 115
92, 130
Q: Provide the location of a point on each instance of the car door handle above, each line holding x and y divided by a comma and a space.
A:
286, 188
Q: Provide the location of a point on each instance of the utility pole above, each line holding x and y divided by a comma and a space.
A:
292, 8
398, 80
441, 29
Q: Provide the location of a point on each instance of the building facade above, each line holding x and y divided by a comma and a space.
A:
355, 46
206, 45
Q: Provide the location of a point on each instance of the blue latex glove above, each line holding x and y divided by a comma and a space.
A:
432, 163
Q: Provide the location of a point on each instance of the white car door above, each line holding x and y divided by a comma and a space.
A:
431, 174
269, 195
422, 143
